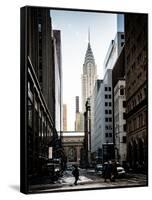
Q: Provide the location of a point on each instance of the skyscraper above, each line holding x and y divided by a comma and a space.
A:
89, 75
77, 103
78, 116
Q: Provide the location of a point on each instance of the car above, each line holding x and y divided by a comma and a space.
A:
120, 170
99, 168
69, 168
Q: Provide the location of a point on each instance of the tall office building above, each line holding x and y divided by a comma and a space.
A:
58, 79
89, 75
114, 50
120, 22
78, 116
77, 104
102, 121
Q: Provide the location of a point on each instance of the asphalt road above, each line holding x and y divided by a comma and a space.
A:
90, 180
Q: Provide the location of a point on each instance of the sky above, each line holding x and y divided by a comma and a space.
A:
74, 26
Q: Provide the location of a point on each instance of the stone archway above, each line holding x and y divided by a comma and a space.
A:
72, 154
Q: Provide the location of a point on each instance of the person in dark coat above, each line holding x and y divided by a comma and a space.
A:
75, 173
107, 171
114, 172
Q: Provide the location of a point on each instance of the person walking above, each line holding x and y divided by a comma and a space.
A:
107, 171
114, 172
75, 173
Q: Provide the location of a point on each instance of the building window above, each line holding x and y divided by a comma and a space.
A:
122, 36
106, 103
110, 134
106, 96
106, 134
109, 103
110, 111
106, 119
124, 139
110, 119
106, 111
124, 115
124, 127
122, 43
105, 88
124, 104
121, 90
106, 127
109, 96
109, 88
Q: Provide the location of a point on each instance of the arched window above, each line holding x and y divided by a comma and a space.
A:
72, 154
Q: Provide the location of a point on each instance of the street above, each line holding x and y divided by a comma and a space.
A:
89, 179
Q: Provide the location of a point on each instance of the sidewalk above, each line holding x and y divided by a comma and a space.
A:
62, 183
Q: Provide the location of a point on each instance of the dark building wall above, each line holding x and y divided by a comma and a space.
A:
41, 68
136, 69
58, 45
40, 51
118, 71
58, 79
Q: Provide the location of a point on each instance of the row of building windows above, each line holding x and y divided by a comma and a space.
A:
108, 127
108, 134
136, 100
108, 119
108, 104
137, 122
37, 119
107, 88
108, 111
107, 96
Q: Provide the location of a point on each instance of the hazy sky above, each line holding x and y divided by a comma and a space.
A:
74, 27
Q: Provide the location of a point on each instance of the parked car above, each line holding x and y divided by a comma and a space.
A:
99, 168
69, 168
120, 170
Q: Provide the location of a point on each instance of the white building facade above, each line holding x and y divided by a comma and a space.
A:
114, 50
120, 121
102, 122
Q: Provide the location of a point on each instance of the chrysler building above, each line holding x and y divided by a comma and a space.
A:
89, 75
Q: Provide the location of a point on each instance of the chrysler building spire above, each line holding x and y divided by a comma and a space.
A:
89, 75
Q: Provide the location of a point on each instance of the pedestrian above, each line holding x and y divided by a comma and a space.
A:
114, 172
107, 171
75, 173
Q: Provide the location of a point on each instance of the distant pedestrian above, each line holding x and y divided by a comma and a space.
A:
75, 173
107, 171
114, 172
